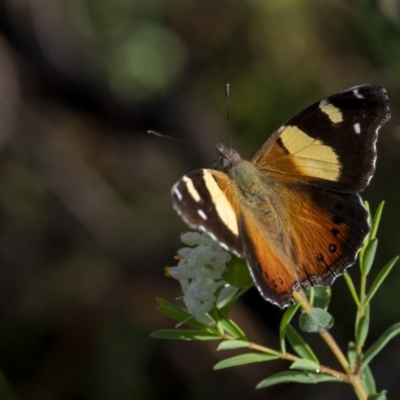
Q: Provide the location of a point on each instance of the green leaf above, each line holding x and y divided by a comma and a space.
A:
226, 308
377, 396
305, 365
362, 330
184, 334
310, 294
367, 239
322, 296
367, 259
367, 207
287, 317
243, 359
230, 326
178, 314
351, 287
299, 345
376, 221
388, 335
352, 355
367, 380
296, 376
237, 274
316, 320
380, 278
232, 344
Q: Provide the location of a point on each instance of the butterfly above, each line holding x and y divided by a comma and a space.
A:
293, 210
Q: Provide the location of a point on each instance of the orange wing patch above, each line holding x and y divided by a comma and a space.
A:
326, 235
326, 231
273, 271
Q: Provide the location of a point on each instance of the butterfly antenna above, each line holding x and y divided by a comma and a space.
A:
228, 113
161, 135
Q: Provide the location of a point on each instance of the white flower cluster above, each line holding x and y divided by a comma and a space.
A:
199, 272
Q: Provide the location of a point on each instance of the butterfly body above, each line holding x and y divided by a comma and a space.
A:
293, 210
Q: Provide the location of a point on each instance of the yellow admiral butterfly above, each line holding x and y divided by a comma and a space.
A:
293, 210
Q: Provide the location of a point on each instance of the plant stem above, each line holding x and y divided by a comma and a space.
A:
292, 357
353, 379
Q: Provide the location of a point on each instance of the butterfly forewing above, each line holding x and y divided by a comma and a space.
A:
332, 142
205, 200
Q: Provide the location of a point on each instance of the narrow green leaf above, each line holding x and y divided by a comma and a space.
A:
380, 278
178, 314
367, 259
296, 376
367, 309
377, 396
368, 380
305, 365
299, 345
243, 359
352, 355
226, 308
388, 335
310, 294
352, 288
367, 239
213, 313
184, 334
362, 330
286, 318
376, 220
220, 327
230, 326
316, 320
232, 344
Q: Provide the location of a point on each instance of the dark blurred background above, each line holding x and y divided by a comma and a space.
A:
86, 223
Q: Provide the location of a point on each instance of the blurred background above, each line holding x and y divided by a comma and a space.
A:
86, 223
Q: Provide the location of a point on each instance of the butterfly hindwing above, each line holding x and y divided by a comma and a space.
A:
308, 238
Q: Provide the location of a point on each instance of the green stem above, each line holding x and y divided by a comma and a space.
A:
353, 379
292, 357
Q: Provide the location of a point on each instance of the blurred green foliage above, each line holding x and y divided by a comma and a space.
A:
86, 219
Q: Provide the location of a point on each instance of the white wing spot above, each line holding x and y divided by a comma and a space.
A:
212, 236
357, 128
177, 192
358, 95
224, 246
202, 214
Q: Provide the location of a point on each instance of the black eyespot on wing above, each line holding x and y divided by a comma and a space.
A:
332, 247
